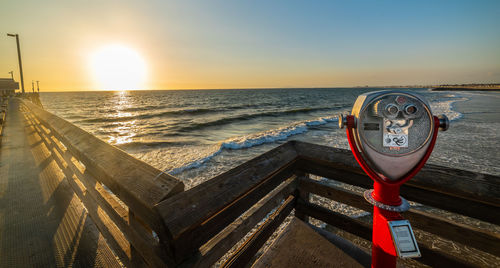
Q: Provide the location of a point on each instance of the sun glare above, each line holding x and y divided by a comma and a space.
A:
117, 67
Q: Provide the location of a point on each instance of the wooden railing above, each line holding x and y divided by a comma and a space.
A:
467, 193
119, 191
234, 214
217, 214
209, 223
3, 112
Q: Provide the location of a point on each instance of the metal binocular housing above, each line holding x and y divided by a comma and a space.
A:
393, 131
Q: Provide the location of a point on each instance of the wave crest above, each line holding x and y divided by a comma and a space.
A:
256, 139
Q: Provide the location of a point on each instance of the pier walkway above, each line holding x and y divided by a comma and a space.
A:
42, 221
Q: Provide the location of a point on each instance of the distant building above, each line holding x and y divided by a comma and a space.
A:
8, 86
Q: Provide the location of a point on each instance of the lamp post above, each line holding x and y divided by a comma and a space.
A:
19, 58
33, 86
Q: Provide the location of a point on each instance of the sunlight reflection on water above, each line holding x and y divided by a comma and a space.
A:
124, 131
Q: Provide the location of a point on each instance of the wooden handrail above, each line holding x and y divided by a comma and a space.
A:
196, 215
136, 183
208, 202
123, 211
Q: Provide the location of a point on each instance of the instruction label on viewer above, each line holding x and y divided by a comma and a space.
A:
395, 140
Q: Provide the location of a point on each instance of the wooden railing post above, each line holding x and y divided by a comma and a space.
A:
135, 257
302, 194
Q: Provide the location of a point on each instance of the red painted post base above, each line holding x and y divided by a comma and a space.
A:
383, 251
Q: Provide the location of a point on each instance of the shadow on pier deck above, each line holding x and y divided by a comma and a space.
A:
42, 223
69, 199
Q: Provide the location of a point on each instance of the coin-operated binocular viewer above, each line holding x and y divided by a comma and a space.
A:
391, 134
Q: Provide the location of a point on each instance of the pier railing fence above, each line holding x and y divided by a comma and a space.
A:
119, 191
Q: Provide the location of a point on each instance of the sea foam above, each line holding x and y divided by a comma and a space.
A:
446, 107
256, 139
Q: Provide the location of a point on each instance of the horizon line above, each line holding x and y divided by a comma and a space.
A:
250, 88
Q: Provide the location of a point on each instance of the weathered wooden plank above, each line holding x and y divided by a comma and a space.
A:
341, 159
465, 234
189, 209
191, 240
114, 237
335, 193
142, 241
456, 204
87, 142
135, 182
298, 245
361, 255
103, 197
247, 251
97, 198
429, 256
210, 252
457, 232
441, 196
73, 231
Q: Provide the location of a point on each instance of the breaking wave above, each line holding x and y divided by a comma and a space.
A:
446, 107
257, 139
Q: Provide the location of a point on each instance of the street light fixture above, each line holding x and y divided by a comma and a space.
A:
19, 58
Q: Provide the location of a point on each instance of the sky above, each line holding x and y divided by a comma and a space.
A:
250, 44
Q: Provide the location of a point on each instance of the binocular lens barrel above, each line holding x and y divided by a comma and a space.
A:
410, 109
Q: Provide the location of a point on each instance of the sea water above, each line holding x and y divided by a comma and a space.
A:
197, 134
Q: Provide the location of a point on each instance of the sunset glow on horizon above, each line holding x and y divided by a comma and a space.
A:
250, 44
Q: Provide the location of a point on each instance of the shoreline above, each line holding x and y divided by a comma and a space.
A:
465, 89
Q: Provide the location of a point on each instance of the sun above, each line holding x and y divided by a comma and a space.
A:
118, 67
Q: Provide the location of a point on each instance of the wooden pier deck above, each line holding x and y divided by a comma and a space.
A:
42, 221
68, 199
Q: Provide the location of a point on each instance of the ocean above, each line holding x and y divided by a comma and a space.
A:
195, 135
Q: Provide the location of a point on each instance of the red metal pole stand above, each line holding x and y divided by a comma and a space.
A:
383, 251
